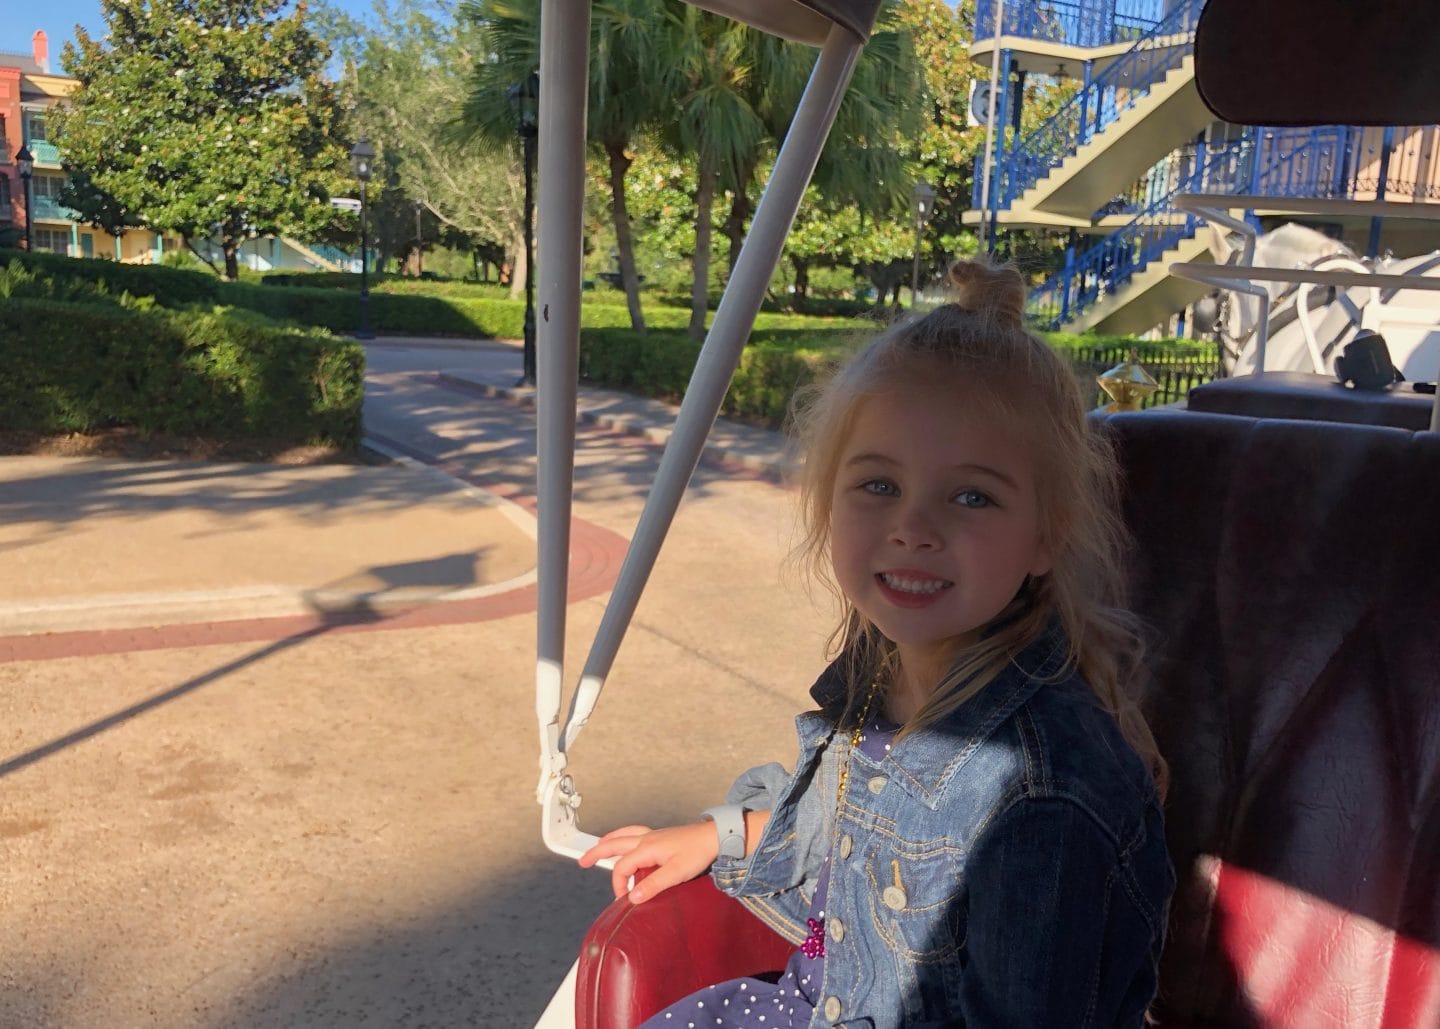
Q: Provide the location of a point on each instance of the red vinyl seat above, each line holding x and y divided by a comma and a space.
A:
1290, 573
639, 959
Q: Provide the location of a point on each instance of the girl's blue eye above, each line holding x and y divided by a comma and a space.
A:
972, 498
879, 487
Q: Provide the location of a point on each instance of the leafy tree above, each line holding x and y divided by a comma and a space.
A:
946, 150
411, 80
201, 116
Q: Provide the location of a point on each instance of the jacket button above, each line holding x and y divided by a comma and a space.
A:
876, 784
845, 845
894, 898
832, 1008
837, 930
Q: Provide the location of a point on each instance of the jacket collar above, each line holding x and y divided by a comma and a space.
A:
925, 761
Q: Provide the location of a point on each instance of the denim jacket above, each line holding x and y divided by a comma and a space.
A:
1006, 867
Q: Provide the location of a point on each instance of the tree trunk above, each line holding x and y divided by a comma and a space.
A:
735, 223
519, 266
230, 245
624, 242
802, 277
700, 263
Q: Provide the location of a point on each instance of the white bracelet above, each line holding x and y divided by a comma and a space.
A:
729, 822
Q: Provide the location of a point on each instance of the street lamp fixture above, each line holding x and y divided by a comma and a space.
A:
924, 208
362, 160
26, 163
524, 100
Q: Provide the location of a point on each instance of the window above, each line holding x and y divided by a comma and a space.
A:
4, 142
37, 129
57, 241
5, 214
47, 185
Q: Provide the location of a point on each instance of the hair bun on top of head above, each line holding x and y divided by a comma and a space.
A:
996, 293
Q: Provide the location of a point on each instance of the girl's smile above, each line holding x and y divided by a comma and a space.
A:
908, 588
935, 521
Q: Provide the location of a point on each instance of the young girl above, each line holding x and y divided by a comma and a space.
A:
972, 834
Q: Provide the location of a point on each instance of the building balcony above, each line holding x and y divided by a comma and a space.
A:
44, 152
1077, 23
48, 209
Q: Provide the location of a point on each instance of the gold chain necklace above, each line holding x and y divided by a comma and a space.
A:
855, 735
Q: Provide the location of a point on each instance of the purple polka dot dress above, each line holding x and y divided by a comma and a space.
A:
754, 1003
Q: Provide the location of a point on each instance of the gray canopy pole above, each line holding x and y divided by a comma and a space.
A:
564, 82
721, 353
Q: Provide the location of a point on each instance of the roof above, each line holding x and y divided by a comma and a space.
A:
24, 62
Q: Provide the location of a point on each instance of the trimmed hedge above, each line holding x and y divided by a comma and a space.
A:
450, 314
659, 364
776, 363
82, 366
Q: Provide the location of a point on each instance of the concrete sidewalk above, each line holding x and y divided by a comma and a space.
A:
94, 543
98, 543
217, 820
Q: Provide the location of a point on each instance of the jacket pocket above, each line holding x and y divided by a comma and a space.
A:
914, 899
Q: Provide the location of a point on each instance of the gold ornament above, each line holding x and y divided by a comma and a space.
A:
1127, 384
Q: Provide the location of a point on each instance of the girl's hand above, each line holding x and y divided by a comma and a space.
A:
677, 854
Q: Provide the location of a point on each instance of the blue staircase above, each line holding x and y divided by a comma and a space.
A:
1106, 266
1099, 103
1324, 161
341, 258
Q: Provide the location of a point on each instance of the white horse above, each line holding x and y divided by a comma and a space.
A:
1310, 325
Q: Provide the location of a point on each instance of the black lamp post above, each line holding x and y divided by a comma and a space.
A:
419, 244
26, 162
525, 102
924, 207
362, 157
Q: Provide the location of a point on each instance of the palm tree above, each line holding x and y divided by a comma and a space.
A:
715, 59
631, 89
863, 164
632, 85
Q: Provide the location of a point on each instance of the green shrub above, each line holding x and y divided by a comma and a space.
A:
172, 287
659, 364
400, 285
82, 366
779, 359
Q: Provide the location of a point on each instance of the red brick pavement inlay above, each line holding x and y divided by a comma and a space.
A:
595, 556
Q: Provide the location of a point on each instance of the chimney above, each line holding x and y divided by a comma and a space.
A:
40, 45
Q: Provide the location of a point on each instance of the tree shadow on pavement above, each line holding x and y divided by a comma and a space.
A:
337, 605
494, 957
115, 719
81, 488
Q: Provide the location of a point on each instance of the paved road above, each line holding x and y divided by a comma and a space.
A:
264, 823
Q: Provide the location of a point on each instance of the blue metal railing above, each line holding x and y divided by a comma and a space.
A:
1401, 163
334, 255
1072, 22
44, 152
1115, 90
1158, 183
51, 209
1113, 261
1397, 163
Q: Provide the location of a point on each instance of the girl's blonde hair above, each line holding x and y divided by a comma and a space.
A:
980, 341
